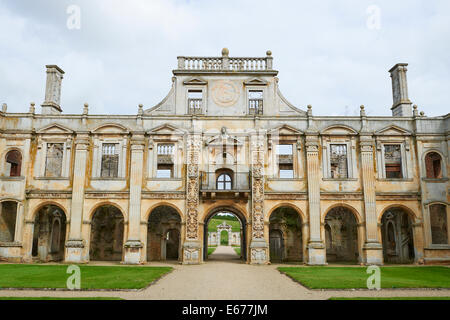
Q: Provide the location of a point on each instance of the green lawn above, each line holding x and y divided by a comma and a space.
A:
391, 298
211, 250
92, 277
59, 298
356, 277
238, 251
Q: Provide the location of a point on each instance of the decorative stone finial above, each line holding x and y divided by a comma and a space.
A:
225, 52
141, 109
362, 111
4, 107
86, 108
268, 53
32, 107
415, 111
422, 114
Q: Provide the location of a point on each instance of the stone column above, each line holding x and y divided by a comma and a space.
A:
316, 247
258, 245
133, 246
192, 246
75, 243
372, 249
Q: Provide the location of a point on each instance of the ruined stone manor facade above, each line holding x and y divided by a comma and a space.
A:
142, 187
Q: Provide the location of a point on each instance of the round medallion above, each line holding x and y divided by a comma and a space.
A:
225, 93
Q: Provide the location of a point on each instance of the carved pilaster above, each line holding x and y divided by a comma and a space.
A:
133, 246
191, 247
258, 246
316, 248
74, 244
372, 248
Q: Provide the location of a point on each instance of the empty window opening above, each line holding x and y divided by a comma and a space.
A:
53, 164
195, 99
393, 161
110, 160
285, 161
165, 160
433, 165
255, 102
338, 161
13, 163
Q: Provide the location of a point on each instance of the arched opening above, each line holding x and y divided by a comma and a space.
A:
163, 234
107, 228
49, 234
397, 236
341, 236
8, 216
433, 165
225, 231
13, 163
224, 180
285, 235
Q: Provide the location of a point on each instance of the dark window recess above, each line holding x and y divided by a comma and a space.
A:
14, 162
338, 161
165, 161
433, 165
438, 220
393, 161
195, 102
53, 164
110, 160
255, 102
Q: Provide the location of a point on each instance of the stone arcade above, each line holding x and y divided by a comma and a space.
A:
138, 188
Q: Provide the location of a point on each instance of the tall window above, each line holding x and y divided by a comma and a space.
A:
433, 165
338, 161
110, 160
224, 182
8, 212
438, 220
195, 98
255, 102
53, 163
285, 161
165, 160
393, 161
13, 163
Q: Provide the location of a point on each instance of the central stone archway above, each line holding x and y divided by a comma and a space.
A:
243, 234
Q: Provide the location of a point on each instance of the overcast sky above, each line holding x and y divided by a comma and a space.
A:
334, 55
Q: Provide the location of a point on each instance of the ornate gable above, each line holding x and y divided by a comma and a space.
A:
54, 128
284, 130
166, 129
195, 81
339, 130
393, 130
255, 82
223, 138
110, 128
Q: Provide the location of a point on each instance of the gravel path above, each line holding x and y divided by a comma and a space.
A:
227, 279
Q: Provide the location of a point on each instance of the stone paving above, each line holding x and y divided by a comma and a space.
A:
224, 276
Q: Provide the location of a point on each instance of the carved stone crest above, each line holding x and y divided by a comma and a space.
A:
225, 93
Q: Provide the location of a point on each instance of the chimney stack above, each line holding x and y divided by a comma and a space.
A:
402, 105
51, 105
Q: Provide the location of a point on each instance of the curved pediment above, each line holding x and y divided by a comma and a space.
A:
110, 128
223, 139
339, 130
54, 128
393, 130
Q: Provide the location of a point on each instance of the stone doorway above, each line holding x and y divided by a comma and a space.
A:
225, 231
49, 234
285, 235
341, 236
163, 234
107, 229
397, 236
